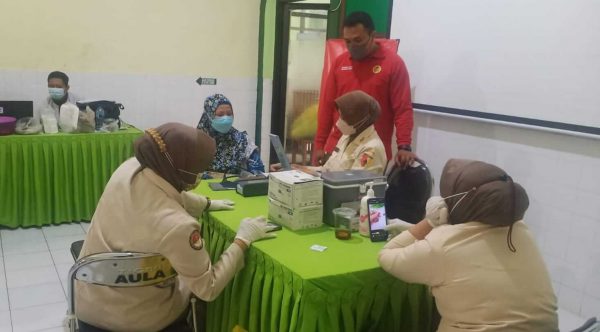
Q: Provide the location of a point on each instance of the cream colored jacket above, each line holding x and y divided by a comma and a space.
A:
365, 152
140, 211
478, 283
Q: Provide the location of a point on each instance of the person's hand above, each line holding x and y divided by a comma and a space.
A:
404, 158
396, 226
319, 158
254, 229
436, 211
221, 204
275, 167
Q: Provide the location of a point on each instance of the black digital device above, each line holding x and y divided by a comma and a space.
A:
377, 219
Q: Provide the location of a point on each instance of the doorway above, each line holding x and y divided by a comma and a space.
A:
299, 52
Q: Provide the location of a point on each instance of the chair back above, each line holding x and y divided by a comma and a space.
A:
118, 269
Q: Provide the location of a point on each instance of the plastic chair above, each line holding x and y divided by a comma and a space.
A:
119, 269
591, 325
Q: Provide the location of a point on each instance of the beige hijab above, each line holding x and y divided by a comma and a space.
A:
176, 152
492, 197
358, 108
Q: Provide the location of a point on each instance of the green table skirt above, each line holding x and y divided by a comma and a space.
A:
57, 178
266, 296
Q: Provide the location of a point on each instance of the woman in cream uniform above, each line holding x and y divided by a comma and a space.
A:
477, 255
360, 147
146, 207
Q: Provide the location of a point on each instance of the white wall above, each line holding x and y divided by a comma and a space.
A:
562, 177
145, 54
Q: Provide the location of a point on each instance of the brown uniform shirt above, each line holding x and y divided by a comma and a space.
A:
139, 211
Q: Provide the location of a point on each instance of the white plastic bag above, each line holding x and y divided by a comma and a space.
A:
49, 121
67, 120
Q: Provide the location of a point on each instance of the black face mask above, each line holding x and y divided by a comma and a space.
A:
359, 52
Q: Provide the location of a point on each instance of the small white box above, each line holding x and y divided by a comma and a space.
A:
295, 188
296, 218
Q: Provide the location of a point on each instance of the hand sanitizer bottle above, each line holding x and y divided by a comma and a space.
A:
363, 219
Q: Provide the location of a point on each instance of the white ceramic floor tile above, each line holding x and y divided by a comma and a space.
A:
21, 234
3, 299
63, 270
24, 246
28, 260
63, 242
24, 297
85, 226
47, 317
32, 276
5, 322
568, 321
62, 256
62, 230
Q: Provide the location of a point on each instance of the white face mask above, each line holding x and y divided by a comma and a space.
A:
463, 194
344, 127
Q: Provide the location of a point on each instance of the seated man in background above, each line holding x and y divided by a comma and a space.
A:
360, 146
477, 255
58, 94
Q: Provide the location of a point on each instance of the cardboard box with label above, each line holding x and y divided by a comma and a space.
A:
295, 188
304, 217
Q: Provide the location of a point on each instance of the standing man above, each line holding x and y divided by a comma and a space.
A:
381, 73
58, 94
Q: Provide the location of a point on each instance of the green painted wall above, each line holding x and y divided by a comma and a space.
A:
378, 9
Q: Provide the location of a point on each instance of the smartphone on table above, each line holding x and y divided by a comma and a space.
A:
377, 219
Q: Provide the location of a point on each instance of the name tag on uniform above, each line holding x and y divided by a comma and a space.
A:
346, 68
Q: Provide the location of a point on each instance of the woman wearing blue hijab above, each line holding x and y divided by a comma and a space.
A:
235, 151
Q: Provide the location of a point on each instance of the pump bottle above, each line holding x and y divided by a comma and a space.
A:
363, 219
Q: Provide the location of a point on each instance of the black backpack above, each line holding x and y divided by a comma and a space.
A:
104, 109
407, 192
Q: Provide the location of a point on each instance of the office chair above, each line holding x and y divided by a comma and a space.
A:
119, 269
591, 325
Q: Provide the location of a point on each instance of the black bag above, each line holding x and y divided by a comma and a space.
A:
407, 192
104, 109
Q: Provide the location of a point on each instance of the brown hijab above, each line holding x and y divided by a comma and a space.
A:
176, 152
357, 107
493, 198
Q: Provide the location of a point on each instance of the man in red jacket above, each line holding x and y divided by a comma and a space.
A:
380, 73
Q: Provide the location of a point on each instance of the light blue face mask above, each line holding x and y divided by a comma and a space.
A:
222, 124
56, 93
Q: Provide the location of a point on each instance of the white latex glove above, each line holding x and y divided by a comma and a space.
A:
396, 226
193, 203
436, 211
221, 204
254, 229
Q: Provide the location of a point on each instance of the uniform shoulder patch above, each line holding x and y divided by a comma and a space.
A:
196, 241
366, 158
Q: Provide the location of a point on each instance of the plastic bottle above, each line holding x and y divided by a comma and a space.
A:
99, 118
363, 219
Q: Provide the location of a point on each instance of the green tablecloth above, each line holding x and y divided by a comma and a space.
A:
53, 178
285, 286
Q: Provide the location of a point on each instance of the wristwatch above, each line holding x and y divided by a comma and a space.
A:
405, 147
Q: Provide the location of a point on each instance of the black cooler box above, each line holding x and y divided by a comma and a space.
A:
348, 187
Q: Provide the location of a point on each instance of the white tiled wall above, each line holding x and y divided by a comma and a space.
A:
149, 100
561, 174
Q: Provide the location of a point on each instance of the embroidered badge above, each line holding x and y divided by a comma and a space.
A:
376, 69
196, 241
345, 68
365, 158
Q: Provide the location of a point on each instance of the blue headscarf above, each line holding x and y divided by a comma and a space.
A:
233, 148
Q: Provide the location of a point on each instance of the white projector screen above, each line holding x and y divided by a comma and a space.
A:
524, 61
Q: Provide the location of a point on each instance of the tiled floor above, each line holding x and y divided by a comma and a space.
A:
33, 282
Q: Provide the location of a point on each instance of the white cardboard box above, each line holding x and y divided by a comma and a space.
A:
295, 188
295, 218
